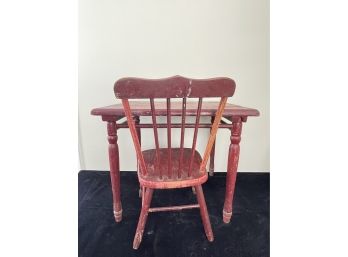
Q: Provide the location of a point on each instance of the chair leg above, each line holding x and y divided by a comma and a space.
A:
204, 213
143, 217
142, 195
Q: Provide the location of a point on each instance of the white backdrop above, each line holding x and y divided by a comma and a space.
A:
156, 39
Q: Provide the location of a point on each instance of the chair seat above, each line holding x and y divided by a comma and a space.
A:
158, 177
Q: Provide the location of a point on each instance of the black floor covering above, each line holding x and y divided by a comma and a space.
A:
178, 234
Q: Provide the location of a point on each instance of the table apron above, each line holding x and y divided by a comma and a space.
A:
223, 124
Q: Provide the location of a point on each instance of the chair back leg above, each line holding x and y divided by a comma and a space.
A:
204, 213
143, 217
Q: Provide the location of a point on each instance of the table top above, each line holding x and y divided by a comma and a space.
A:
142, 108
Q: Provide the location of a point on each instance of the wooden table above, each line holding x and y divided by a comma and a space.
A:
233, 117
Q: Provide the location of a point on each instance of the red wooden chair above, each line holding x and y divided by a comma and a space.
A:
168, 168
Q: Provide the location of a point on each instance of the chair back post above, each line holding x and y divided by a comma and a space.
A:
213, 132
134, 135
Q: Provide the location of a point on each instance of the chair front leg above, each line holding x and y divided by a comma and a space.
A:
204, 213
143, 217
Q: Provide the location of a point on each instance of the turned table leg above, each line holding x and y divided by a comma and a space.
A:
212, 154
233, 157
114, 169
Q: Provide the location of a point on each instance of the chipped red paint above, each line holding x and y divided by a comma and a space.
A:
193, 172
173, 87
142, 108
174, 208
114, 169
111, 114
233, 158
212, 154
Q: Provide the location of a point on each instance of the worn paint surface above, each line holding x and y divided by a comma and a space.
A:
143, 108
174, 168
179, 167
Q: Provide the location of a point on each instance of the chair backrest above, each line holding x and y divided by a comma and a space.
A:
174, 87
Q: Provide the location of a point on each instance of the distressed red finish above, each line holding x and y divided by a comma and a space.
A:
142, 108
160, 172
182, 136
199, 109
204, 213
173, 87
137, 122
147, 196
114, 169
233, 158
212, 154
167, 168
114, 113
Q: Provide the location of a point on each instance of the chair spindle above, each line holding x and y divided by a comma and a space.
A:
198, 115
152, 104
182, 138
169, 127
